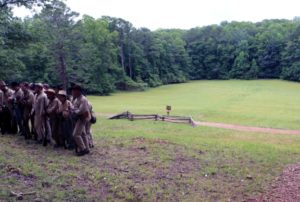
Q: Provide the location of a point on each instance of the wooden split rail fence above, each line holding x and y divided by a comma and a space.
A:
156, 117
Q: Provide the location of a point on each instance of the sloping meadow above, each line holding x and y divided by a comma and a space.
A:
158, 161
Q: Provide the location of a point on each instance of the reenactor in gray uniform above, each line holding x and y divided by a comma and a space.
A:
56, 119
53, 110
82, 117
1, 112
66, 121
88, 128
33, 133
39, 110
7, 108
17, 106
1, 98
27, 102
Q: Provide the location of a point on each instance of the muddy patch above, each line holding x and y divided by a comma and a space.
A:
286, 187
119, 169
144, 169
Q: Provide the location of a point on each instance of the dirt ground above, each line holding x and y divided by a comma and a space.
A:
235, 127
135, 169
285, 189
249, 128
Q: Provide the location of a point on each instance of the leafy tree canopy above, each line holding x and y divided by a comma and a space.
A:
108, 54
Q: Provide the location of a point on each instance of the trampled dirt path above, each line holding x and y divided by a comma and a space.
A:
235, 127
287, 186
249, 128
285, 189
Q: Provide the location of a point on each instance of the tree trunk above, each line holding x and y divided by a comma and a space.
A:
130, 67
122, 58
63, 71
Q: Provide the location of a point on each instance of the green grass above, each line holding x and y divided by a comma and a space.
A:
267, 103
158, 161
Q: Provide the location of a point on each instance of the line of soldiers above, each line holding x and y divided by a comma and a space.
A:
47, 116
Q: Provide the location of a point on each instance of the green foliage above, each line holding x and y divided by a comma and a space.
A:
291, 57
97, 54
5, 4
13, 39
109, 54
241, 66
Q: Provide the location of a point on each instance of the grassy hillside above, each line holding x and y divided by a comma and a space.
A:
268, 103
156, 161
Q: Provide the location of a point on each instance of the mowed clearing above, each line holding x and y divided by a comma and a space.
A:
263, 103
157, 161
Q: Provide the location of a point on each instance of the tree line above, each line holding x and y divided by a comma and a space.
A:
107, 54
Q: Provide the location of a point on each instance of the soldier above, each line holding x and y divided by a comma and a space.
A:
53, 109
1, 112
88, 128
1, 98
48, 133
82, 117
46, 86
66, 120
17, 106
33, 133
27, 102
39, 111
57, 89
7, 108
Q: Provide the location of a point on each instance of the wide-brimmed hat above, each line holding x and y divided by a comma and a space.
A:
15, 84
26, 84
50, 91
76, 87
62, 93
38, 85
2, 83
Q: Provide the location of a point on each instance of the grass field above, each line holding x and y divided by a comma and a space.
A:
156, 161
268, 103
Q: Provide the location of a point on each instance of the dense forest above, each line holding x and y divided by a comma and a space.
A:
108, 54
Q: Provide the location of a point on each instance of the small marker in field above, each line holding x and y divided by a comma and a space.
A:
169, 109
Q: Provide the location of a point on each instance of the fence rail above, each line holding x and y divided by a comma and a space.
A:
174, 119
